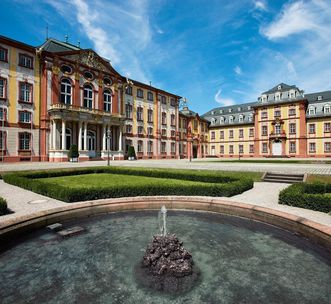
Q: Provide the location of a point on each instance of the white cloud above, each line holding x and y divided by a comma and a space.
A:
238, 70
223, 101
294, 18
260, 5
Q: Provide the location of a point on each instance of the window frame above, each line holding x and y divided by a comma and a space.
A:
30, 85
140, 93
314, 127
66, 94
312, 144
140, 113
23, 148
107, 104
292, 128
5, 54
291, 150
327, 127
4, 96
22, 55
86, 99
25, 114
149, 93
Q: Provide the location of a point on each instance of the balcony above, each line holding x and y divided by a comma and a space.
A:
281, 135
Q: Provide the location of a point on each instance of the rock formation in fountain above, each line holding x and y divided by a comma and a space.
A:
167, 265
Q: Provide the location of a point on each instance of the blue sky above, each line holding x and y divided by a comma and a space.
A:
214, 52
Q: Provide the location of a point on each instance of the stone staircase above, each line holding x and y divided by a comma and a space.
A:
283, 178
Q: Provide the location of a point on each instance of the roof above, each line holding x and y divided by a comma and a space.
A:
284, 87
17, 43
189, 113
54, 46
313, 97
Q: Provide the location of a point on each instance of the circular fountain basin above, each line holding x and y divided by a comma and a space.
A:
240, 260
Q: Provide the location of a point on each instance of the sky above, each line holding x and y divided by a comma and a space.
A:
214, 53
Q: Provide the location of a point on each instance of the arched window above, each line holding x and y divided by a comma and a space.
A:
231, 119
88, 96
65, 95
241, 118
107, 100
222, 119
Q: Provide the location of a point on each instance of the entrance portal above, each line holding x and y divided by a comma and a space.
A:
277, 148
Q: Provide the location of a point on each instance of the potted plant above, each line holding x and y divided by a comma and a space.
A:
73, 153
131, 153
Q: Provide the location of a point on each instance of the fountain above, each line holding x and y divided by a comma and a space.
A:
166, 265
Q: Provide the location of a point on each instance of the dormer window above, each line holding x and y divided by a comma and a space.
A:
213, 121
221, 111
250, 117
231, 119
311, 111
239, 108
230, 110
320, 97
222, 120
212, 112
241, 118
264, 99
292, 95
249, 107
277, 96
279, 87
326, 109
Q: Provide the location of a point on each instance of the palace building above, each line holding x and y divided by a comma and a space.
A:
57, 95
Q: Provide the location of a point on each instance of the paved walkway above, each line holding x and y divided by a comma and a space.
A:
24, 202
200, 164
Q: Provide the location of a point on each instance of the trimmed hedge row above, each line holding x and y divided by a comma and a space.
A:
313, 196
211, 184
3, 206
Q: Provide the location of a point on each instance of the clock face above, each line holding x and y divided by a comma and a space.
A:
107, 81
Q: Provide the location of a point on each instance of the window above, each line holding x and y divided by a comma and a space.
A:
88, 75
251, 132
140, 146
150, 96
239, 109
231, 119
327, 147
241, 133
320, 97
264, 148
140, 93
231, 149
150, 147
163, 100
241, 149
2, 140
150, 131
88, 96
277, 129
312, 147
230, 110
164, 132
173, 148
264, 115
128, 129
277, 113
292, 147
241, 118
128, 90
327, 127
65, 69
311, 110
222, 120
107, 100
264, 131
164, 118
222, 149
140, 113
212, 148
163, 147
212, 135
25, 61
195, 125
326, 109
250, 117
251, 148
107, 81
213, 121
25, 92
291, 112
24, 141
140, 130
3, 88
230, 133
2, 114
292, 128
173, 102
128, 110
172, 119
311, 128
221, 134
65, 94
3, 54
221, 111
150, 115
173, 133
24, 116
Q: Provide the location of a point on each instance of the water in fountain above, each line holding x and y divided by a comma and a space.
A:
167, 265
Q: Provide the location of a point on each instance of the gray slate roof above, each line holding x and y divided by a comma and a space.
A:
284, 87
54, 46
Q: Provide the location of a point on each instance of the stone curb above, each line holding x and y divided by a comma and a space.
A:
316, 232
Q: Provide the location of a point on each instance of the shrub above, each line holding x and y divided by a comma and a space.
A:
131, 152
313, 196
73, 152
3, 206
211, 183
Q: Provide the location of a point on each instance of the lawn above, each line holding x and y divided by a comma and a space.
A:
110, 182
314, 178
267, 161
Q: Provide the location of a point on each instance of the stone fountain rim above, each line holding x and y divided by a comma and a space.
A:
314, 231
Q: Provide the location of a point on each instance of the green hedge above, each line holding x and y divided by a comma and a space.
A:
212, 183
315, 196
3, 206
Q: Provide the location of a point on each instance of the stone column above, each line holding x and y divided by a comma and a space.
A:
54, 135
85, 136
104, 130
63, 134
120, 139
79, 135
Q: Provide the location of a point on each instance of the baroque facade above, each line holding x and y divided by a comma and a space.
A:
57, 95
